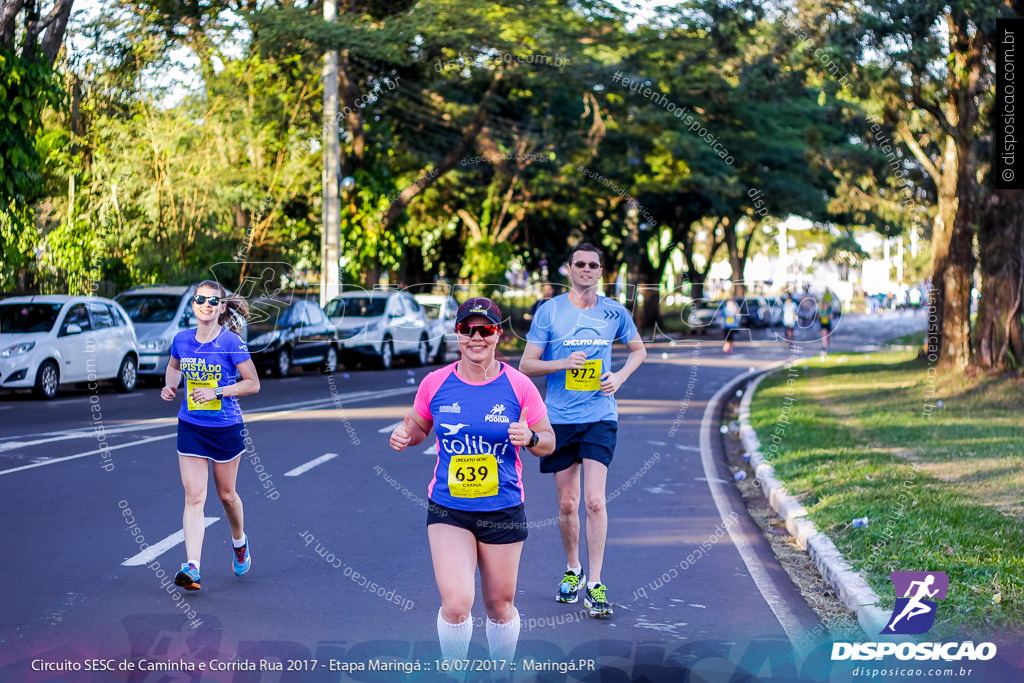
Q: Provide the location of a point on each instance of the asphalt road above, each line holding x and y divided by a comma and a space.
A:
341, 571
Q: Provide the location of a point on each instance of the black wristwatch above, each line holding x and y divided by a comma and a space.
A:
218, 392
533, 441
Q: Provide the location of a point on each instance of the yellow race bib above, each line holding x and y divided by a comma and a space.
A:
191, 384
473, 476
587, 378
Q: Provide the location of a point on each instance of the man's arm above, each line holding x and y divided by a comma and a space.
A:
611, 381
532, 366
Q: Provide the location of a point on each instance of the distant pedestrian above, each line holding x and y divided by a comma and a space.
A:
915, 299
789, 317
547, 293
210, 427
730, 323
825, 319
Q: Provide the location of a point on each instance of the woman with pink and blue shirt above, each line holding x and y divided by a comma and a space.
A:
484, 411
210, 426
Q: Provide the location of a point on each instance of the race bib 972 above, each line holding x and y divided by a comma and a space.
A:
586, 378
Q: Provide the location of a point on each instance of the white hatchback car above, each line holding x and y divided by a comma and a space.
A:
379, 326
440, 309
49, 340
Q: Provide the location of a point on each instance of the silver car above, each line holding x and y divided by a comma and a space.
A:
380, 325
159, 312
441, 309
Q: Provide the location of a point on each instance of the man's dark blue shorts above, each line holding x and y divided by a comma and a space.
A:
573, 442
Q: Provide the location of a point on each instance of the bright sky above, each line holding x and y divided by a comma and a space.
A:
182, 77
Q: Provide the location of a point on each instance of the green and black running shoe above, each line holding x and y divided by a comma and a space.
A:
569, 587
597, 601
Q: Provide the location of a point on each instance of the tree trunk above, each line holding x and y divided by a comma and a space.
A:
941, 233
649, 287
999, 340
631, 249
955, 352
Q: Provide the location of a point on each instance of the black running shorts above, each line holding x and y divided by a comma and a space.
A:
574, 442
495, 527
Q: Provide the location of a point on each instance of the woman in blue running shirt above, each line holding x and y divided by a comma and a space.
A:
210, 426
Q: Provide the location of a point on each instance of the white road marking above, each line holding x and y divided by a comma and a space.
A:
87, 453
432, 450
163, 546
160, 422
390, 428
310, 465
687, 448
769, 591
251, 417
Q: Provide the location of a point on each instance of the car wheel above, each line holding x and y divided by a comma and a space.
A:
284, 362
47, 380
422, 353
387, 354
127, 376
330, 361
442, 352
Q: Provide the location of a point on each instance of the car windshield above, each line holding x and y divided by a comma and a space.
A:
359, 307
150, 308
433, 311
268, 313
23, 318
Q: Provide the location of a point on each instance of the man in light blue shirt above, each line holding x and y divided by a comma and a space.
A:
570, 342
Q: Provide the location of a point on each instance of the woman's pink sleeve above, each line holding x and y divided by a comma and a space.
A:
529, 398
428, 387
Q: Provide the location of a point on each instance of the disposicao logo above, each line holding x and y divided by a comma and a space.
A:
914, 614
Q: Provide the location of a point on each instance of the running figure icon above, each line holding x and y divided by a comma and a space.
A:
916, 596
914, 605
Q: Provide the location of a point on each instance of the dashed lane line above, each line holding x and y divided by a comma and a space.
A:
158, 549
302, 469
255, 416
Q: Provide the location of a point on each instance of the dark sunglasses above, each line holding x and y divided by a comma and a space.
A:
587, 264
485, 330
200, 299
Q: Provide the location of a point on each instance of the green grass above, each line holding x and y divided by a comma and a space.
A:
911, 339
944, 490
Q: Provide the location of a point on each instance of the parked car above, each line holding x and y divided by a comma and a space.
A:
291, 331
705, 314
159, 312
46, 341
440, 310
755, 312
379, 326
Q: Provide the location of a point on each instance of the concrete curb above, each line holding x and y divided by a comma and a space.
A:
852, 589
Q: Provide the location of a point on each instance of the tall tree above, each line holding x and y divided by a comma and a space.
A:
927, 64
31, 34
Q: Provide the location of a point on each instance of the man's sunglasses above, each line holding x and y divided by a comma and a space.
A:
199, 300
485, 330
587, 264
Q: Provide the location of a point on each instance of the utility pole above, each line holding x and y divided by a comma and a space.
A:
330, 240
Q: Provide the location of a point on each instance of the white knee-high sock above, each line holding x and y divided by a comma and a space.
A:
503, 638
454, 637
